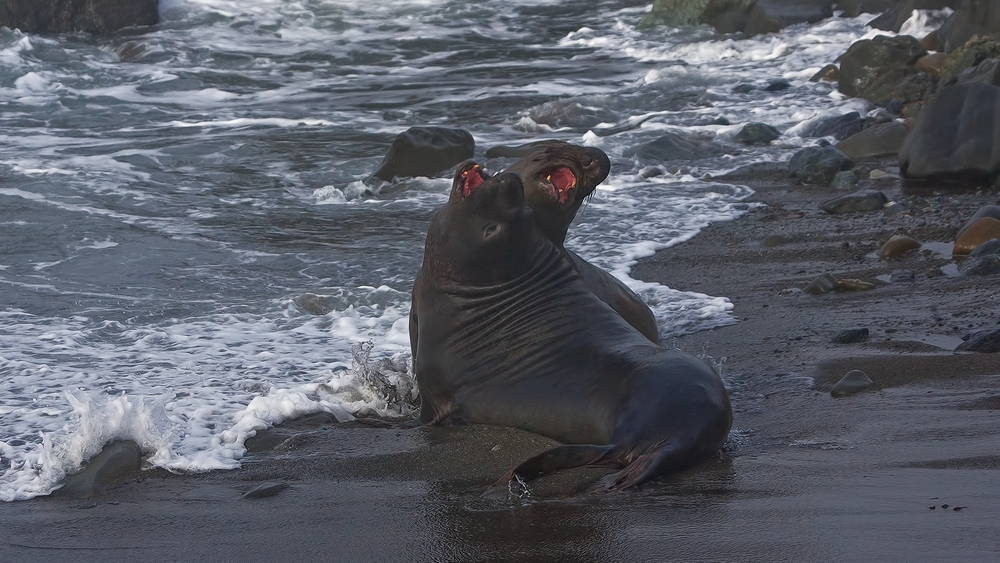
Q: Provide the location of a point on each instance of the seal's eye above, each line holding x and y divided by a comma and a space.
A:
489, 230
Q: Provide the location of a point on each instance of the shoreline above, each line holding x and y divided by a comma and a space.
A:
805, 476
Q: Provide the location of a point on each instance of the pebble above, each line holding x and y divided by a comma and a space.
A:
853, 382
823, 284
898, 245
852, 285
902, 276
851, 335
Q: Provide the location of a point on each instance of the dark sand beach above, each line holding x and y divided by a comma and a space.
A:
907, 470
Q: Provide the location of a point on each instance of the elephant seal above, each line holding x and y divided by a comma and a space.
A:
558, 177
504, 331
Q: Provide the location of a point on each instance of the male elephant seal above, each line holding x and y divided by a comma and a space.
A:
505, 332
558, 177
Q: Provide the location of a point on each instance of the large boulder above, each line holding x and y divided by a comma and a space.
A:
894, 19
973, 17
63, 16
987, 72
871, 67
771, 16
883, 139
854, 8
975, 52
956, 136
426, 151
690, 12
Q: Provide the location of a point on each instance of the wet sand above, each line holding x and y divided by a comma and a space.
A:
806, 477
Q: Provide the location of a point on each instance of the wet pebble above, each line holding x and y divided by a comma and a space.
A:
844, 181
898, 245
851, 335
823, 284
902, 276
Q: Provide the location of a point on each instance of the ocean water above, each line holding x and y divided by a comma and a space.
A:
191, 249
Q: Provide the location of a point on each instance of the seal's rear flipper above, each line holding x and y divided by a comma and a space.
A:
561, 457
670, 457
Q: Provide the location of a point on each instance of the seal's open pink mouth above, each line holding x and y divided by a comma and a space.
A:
559, 181
472, 177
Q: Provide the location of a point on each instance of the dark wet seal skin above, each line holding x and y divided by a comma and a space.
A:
504, 331
558, 177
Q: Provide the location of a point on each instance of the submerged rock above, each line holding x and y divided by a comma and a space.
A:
830, 72
894, 19
63, 16
898, 245
677, 146
956, 137
983, 341
116, 461
851, 335
883, 139
853, 382
839, 127
865, 200
818, 165
426, 151
757, 134
771, 16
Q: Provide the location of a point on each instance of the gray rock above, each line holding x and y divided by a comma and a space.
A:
988, 248
865, 200
980, 265
844, 181
115, 462
757, 134
984, 211
983, 341
570, 113
777, 85
987, 71
426, 151
265, 490
884, 139
902, 276
771, 16
853, 382
854, 8
823, 284
830, 72
818, 165
973, 17
676, 13
744, 88
839, 127
851, 335
677, 146
874, 68
63, 16
956, 136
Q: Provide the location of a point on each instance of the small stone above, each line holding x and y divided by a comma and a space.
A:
844, 181
898, 245
823, 284
818, 165
902, 276
853, 285
862, 201
851, 335
773, 240
757, 134
265, 490
720, 121
876, 174
892, 208
979, 232
777, 85
651, 172
853, 382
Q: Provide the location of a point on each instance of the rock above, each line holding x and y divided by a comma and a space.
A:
719, 121
676, 13
892, 208
426, 151
844, 181
898, 245
570, 113
823, 284
894, 19
970, 55
839, 127
956, 137
987, 72
932, 63
64, 16
973, 17
980, 265
851, 335
984, 211
771, 16
983, 341
732, 21
773, 240
884, 139
865, 66
677, 146
982, 230
265, 490
757, 134
777, 85
116, 461
854, 8
902, 276
852, 285
853, 382
818, 165
517, 151
652, 172
744, 88
878, 174
830, 72
865, 200
931, 41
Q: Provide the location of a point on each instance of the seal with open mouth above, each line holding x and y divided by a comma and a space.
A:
558, 177
505, 332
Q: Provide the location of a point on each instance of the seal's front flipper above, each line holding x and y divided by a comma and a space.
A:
561, 457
